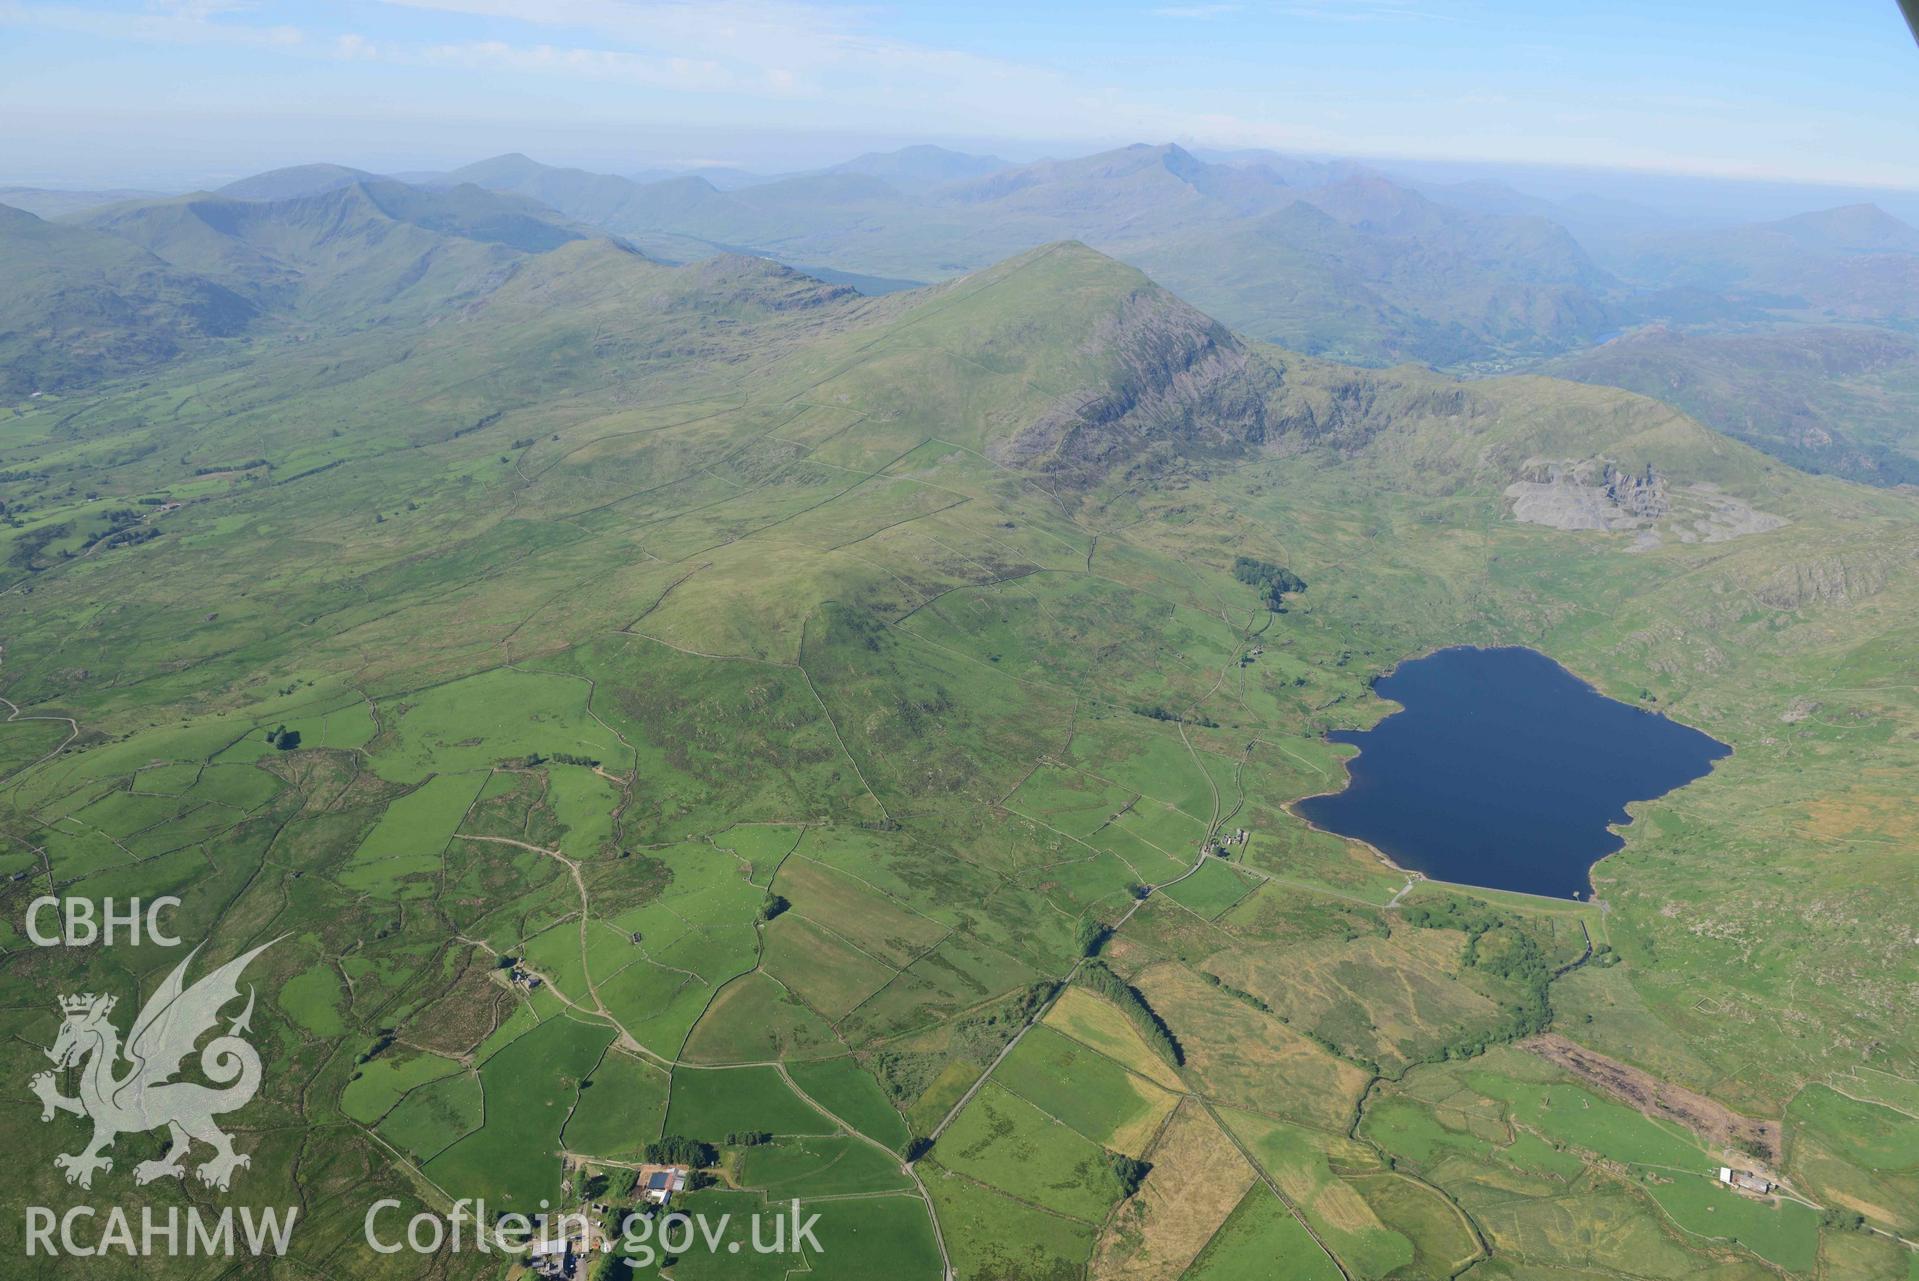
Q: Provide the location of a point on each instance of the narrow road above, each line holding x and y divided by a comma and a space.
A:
13, 714
627, 1040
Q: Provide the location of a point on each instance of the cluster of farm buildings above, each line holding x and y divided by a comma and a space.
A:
584, 1236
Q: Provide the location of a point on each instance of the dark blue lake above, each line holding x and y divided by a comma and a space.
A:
1504, 770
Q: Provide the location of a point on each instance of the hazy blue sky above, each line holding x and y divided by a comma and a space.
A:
146, 90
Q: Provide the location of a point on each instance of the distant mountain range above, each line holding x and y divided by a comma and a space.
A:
77, 306
1833, 399
45, 202
124, 287
803, 685
1329, 258
1852, 263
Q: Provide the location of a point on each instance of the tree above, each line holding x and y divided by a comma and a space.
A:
1273, 581
1146, 1021
1128, 1172
675, 1149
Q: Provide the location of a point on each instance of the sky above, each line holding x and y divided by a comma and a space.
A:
177, 93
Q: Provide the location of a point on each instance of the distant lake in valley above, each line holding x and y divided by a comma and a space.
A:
1504, 770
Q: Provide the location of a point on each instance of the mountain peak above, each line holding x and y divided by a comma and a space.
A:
294, 181
1860, 228
497, 171
922, 163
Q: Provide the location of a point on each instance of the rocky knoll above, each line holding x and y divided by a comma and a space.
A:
1596, 494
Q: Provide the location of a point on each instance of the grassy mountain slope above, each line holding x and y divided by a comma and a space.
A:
351, 254
920, 165
295, 181
1373, 293
1349, 265
596, 198
1852, 263
1839, 400
629, 601
53, 203
78, 305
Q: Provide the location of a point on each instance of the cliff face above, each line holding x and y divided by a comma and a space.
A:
1175, 383
1642, 495
1597, 495
1593, 494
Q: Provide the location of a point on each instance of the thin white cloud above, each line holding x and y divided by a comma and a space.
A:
798, 66
691, 75
778, 50
1356, 10
198, 22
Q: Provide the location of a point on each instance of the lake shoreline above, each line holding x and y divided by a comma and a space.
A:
1618, 829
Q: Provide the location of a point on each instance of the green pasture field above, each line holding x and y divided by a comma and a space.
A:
1009, 1144
583, 803
315, 1001
819, 1167
991, 1236
434, 1116
1260, 1240
378, 1085
1786, 1234
658, 1005
1069, 801
403, 851
1150, 865
1576, 1116
708, 1104
556, 954
755, 1018
1093, 1094
1423, 1137
729, 1215
1142, 756
1874, 1136
1102, 1026
872, 1239
849, 1092
878, 925
1442, 1239
1212, 890
1303, 1164
620, 1108
347, 726
530, 1088
1166, 829
958, 974
1096, 883
496, 715
830, 974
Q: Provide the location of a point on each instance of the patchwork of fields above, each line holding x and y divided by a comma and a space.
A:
752, 746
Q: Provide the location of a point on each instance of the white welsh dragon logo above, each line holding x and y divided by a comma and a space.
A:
143, 1098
